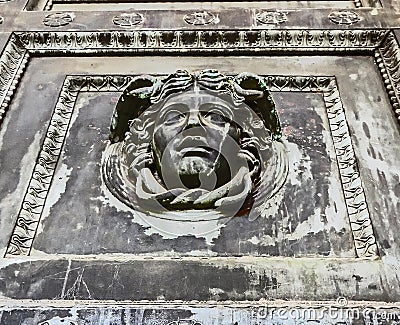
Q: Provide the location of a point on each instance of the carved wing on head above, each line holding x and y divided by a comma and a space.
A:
133, 102
259, 99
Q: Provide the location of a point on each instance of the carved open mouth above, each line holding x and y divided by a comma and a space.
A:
203, 152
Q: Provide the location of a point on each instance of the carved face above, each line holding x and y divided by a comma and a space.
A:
191, 135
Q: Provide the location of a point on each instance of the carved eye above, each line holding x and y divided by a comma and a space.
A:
215, 117
174, 117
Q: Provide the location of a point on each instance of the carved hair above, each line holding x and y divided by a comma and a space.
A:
144, 91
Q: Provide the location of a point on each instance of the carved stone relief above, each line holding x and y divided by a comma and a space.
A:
344, 17
196, 141
271, 17
201, 18
128, 19
58, 19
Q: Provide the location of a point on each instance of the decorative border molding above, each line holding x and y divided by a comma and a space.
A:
22, 44
321, 305
168, 304
32, 206
356, 204
12, 64
236, 41
387, 58
28, 219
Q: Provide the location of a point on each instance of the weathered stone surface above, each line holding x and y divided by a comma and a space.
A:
88, 246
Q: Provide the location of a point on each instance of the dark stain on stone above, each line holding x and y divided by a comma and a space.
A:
266, 281
396, 188
356, 115
139, 280
33, 280
372, 286
371, 151
30, 316
95, 315
366, 130
319, 239
340, 239
383, 182
385, 244
358, 278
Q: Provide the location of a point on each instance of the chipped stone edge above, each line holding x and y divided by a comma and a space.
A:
340, 303
29, 216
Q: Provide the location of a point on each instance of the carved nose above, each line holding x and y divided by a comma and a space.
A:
193, 121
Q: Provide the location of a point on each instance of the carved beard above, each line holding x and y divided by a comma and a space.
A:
202, 168
205, 178
131, 176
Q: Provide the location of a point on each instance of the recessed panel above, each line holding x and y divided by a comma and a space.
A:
308, 217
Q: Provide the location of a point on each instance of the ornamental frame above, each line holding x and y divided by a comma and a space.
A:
381, 44
28, 219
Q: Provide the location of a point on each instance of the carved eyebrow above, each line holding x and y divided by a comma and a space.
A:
177, 106
226, 110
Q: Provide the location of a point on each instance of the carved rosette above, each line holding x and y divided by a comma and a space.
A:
344, 17
128, 19
58, 19
201, 18
271, 17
